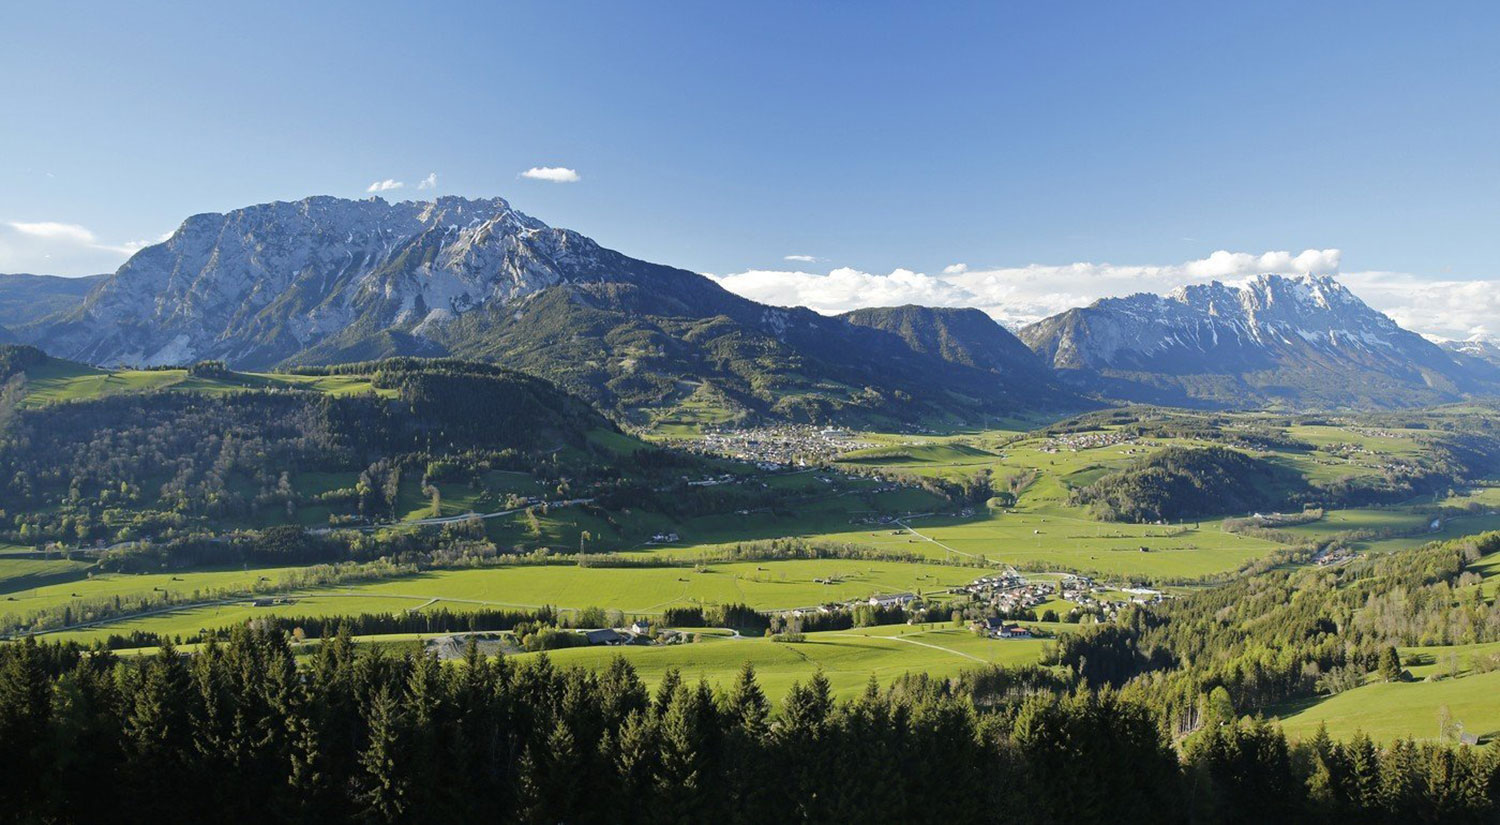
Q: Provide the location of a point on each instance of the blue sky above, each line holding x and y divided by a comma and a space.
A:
873, 137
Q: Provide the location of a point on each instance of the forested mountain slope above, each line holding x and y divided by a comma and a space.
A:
218, 449
960, 335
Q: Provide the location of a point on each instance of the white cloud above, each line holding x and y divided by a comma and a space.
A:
1017, 296
1448, 309
429, 182
1224, 264
55, 248
551, 174
384, 185
70, 233
804, 259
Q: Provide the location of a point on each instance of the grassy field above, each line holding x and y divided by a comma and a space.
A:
63, 381
1060, 538
27, 574
21, 597
190, 620
1392, 710
1445, 660
1443, 676
769, 585
848, 658
1407, 527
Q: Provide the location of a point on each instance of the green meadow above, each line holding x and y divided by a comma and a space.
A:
634, 591
848, 658
65, 381
1394, 710
78, 583
1058, 538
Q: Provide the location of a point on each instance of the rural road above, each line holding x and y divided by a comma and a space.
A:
908, 528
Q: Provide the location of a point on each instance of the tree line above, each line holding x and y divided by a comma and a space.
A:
238, 732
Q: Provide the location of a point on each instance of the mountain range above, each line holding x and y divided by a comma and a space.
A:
1480, 348
326, 280
1304, 341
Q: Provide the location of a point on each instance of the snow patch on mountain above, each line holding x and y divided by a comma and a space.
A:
1247, 321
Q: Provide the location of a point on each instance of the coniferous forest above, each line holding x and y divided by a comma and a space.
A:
237, 733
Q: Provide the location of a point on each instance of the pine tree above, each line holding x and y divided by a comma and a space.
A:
689, 743
799, 736
636, 755
162, 781
87, 754
1327, 774
25, 710
747, 770
621, 692
747, 707
666, 690
310, 796
1363, 760
1400, 791
383, 787
549, 779
476, 746
332, 712
1390, 665
426, 712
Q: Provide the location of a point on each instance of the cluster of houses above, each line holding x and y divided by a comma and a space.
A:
1091, 440
883, 601
892, 600
876, 518
711, 481
1143, 595
781, 446
1377, 433
1008, 592
1350, 451
1333, 555
1075, 588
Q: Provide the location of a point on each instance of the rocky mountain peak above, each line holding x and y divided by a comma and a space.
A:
256, 284
1270, 326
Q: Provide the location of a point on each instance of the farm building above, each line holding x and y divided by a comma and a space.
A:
997, 628
605, 636
893, 600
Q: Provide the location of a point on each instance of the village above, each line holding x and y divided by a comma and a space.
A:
993, 604
1091, 440
778, 447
